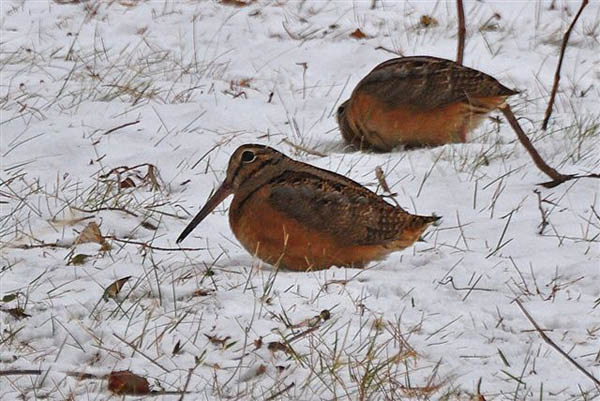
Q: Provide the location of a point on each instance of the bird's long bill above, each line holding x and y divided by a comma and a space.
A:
219, 196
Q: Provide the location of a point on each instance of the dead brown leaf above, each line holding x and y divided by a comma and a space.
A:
127, 383
148, 226
113, 290
261, 370
275, 346
91, 233
218, 341
427, 21
358, 34
127, 183
18, 313
236, 3
78, 259
177, 348
200, 292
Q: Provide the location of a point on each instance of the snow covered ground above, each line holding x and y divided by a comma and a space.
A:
87, 87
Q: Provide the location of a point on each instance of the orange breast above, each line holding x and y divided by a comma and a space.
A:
285, 242
384, 127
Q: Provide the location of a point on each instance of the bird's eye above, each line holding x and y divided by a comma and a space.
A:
248, 156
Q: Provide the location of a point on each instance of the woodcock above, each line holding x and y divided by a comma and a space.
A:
418, 101
297, 216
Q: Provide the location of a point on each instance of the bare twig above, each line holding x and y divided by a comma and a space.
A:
99, 209
121, 126
141, 353
124, 169
461, 31
557, 178
398, 53
384, 185
147, 245
303, 148
38, 372
563, 47
43, 245
543, 212
480, 396
549, 341
277, 394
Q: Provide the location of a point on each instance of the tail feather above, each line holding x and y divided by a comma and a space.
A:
413, 231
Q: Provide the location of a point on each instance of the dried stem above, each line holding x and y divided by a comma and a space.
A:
543, 212
563, 47
557, 178
39, 372
303, 148
146, 245
461, 32
549, 341
121, 126
289, 386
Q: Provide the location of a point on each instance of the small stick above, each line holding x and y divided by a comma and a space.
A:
38, 372
480, 396
304, 149
563, 47
384, 185
461, 31
543, 212
557, 177
154, 248
292, 384
121, 126
136, 349
43, 245
99, 209
553, 344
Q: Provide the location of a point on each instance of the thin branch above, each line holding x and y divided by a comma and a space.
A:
557, 178
141, 353
461, 31
99, 209
42, 245
563, 47
38, 372
549, 341
543, 212
154, 248
289, 386
121, 126
303, 148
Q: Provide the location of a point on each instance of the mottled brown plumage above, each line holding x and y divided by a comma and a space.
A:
418, 101
301, 217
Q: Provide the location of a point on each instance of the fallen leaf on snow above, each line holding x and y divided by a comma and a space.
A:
113, 290
17, 313
125, 382
236, 3
358, 34
428, 21
78, 259
91, 233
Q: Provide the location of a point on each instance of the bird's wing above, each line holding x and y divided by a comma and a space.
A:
428, 83
353, 215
